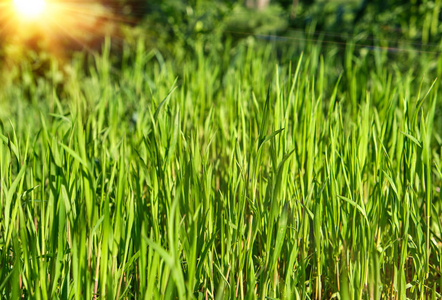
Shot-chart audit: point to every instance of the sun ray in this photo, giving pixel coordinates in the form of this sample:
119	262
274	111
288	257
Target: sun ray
7	25
91	10
74	38
29	9
64	27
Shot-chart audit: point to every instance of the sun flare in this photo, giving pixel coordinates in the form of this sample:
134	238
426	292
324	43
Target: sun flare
30	9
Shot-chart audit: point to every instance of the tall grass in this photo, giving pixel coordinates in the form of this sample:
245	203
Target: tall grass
241	175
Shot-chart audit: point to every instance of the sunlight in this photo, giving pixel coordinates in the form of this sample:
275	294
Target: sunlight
30	9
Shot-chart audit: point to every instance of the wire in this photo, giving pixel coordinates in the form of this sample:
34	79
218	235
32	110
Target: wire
339	44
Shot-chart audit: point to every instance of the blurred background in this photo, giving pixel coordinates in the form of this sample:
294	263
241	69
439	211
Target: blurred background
174	28
83	25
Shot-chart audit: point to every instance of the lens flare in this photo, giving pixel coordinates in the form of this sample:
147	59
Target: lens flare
62	27
30	9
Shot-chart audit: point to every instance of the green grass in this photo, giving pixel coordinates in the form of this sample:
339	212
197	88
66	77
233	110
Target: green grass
225	176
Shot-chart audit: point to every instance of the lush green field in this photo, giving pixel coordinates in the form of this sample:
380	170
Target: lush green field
244	174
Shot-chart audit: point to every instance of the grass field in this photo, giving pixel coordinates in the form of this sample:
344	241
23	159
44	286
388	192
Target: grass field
239	175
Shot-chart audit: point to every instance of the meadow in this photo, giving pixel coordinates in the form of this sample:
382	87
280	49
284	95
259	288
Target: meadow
257	172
